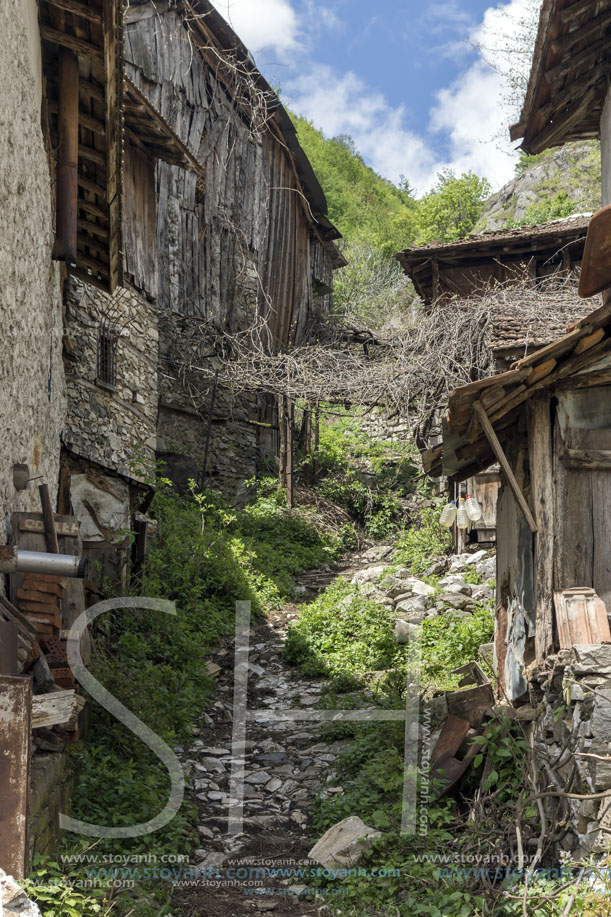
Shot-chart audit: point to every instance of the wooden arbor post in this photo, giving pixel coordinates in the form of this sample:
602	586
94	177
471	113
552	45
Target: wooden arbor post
67	159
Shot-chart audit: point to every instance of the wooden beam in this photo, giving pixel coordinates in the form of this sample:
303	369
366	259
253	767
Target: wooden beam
70	41
502	459
56	709
64	248
78	9
92	155
87	121
90	278
92	208
551	350
587	459
93	229
542	488
113	37
84	260
92	186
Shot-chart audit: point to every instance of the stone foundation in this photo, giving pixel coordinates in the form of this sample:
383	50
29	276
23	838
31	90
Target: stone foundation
51	785
572	741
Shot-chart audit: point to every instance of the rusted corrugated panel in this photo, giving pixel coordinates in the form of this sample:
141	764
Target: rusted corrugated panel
581	617
15	732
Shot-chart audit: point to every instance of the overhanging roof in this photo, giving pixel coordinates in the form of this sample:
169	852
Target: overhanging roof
569	78
203	15
546	238
465	449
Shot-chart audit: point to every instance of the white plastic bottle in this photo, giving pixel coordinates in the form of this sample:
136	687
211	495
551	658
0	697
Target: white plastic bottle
474	510
448	515
462	517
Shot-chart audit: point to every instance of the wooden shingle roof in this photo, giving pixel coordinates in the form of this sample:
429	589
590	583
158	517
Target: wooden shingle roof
569	78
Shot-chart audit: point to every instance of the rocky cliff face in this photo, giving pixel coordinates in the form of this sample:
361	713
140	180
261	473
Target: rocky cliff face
554	184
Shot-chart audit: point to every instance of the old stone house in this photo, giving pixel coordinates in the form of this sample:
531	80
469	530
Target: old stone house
155	199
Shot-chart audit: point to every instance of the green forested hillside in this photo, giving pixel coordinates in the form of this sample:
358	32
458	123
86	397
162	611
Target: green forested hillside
368	208
362	205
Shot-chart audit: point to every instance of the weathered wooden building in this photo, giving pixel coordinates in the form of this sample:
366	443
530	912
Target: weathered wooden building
547	421
244	238
467	268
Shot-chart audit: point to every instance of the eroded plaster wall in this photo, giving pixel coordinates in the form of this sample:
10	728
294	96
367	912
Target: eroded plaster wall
32	391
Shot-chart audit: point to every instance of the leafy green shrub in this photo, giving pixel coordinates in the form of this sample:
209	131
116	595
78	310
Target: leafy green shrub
56	890
343	635
366	477
554	207
452	640
425	540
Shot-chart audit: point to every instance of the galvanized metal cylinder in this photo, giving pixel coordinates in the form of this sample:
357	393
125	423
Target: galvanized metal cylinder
15	560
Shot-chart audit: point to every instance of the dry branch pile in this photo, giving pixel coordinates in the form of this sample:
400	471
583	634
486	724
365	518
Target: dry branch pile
410	370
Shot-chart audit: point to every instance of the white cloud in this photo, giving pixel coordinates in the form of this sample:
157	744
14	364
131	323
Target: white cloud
469	118
476	110
345	105
469	114
263	24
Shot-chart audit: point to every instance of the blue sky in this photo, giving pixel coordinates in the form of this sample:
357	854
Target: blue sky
411	82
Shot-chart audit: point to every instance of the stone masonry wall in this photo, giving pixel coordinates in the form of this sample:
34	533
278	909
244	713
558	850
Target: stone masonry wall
51	784
32	400
572	698
113	427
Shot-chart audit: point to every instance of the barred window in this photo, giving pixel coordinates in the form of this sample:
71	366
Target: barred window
107	357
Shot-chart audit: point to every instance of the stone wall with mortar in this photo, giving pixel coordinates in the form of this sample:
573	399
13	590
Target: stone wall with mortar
114	427
32	404
52	782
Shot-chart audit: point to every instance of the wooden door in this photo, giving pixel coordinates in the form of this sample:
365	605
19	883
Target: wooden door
582	476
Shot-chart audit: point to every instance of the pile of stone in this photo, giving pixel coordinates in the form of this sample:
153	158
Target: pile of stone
412	599
13	899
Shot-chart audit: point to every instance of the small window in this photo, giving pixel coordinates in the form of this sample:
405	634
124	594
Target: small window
107	358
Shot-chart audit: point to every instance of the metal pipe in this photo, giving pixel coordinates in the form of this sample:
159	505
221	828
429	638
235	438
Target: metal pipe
66	216
15	560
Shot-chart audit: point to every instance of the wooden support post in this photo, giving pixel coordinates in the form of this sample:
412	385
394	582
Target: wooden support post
49	520
316	443
502	459
307	444
15	742
290	409
204	475
542	487
67	159
282	443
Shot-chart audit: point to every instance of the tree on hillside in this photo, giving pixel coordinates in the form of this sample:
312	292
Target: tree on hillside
451	209
372	290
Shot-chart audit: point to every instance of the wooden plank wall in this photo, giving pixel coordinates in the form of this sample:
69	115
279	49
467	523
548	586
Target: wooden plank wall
583	510
140	220
248	229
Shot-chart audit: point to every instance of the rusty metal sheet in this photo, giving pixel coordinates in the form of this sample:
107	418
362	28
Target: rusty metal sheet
596	266
581	617
15	751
